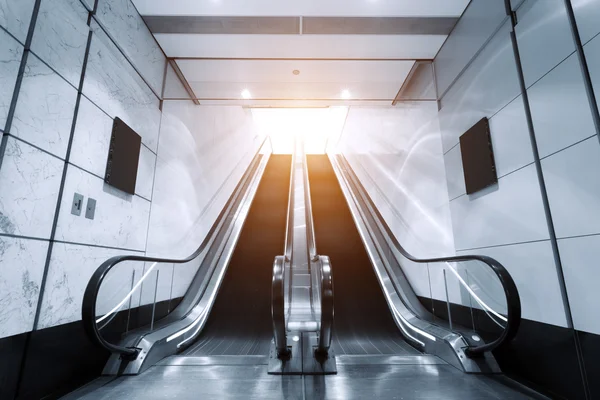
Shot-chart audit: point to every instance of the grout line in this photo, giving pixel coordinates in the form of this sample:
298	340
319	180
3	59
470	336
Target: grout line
530	242
53	69
100	246
11	35
503	245
13	105
585	71
568	147
13	236
473	58
592	38
62	186
62	159
551	69
19	139
452	148
546	201
124	54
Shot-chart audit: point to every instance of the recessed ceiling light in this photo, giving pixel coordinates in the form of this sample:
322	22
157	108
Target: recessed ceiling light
246	94
345	94
296	72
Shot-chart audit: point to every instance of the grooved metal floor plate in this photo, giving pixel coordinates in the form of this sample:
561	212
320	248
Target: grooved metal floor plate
355	381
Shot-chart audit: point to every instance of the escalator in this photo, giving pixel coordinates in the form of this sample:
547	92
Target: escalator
236	332
240	322
363	323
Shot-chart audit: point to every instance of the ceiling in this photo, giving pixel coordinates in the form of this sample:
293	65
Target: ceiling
299	53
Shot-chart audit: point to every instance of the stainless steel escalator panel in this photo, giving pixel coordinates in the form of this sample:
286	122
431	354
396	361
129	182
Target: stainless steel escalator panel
408	313
174	334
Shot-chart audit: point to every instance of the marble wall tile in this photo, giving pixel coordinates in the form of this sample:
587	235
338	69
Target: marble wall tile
11	53
203	153
145	175
60	37
30	181
15	17
112	84
45	108
121	220
71	267
124	24
21	268
91	140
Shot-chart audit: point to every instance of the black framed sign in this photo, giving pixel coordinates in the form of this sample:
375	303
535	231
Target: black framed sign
123	157
477	155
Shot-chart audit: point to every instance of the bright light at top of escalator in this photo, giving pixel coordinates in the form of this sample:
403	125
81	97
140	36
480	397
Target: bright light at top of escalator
319	127
246	94
346	94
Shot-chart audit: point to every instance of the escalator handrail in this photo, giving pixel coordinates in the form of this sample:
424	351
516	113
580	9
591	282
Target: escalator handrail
327	306
513	302
90	297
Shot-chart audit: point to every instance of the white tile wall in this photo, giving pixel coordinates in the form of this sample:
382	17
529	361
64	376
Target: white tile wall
15	17
45	108
145	175
573	186
71	267
510	212
60	37
454	173
91	139
489	84
587	15
510	138
124	24
560	109
544	37
114	86
201	149
476	26
528	263
30	181
580	264
21	268
121	220
11	53
398	156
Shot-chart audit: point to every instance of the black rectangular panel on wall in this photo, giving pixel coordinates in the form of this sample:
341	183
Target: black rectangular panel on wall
123	157
478	157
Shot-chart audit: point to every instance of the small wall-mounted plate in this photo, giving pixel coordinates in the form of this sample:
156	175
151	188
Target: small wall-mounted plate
90	210
77	204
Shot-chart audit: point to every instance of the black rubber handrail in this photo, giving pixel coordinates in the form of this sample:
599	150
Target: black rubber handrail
513	301
90	297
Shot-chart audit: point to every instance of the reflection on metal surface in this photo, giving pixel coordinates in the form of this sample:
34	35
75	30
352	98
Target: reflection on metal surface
302	285
472	293
122	303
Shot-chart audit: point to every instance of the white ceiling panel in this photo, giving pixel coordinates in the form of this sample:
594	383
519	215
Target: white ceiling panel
345	8
301	46
294	90
274	79
282	71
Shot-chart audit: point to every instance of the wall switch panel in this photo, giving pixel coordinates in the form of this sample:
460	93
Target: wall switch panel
77	204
